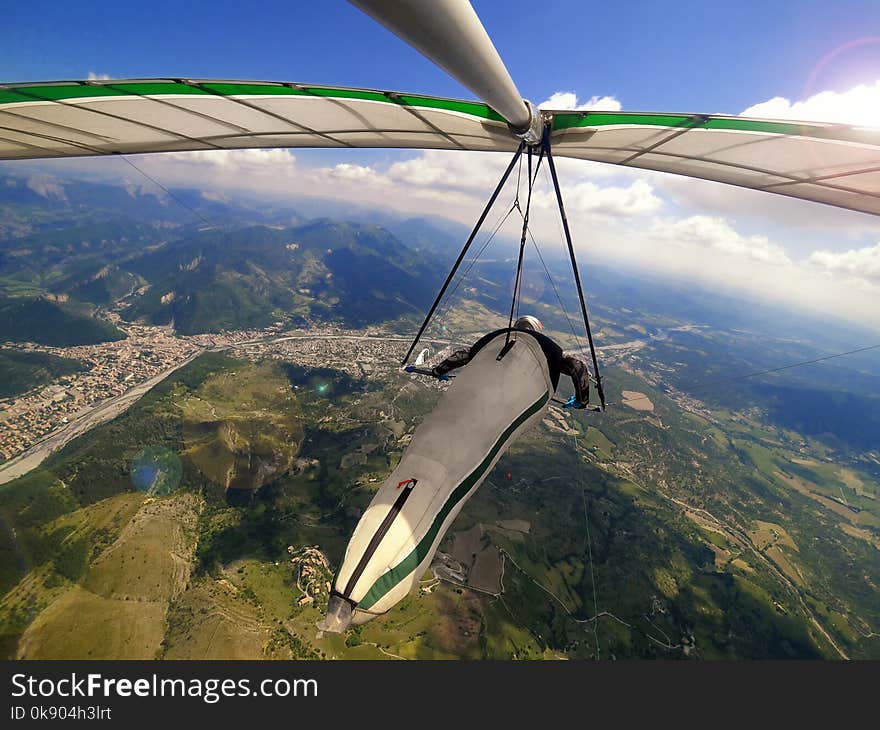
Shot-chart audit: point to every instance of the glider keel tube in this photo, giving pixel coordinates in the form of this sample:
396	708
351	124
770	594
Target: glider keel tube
450	34
487	407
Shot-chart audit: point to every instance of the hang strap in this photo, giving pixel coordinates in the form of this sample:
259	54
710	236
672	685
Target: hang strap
464	250
545	145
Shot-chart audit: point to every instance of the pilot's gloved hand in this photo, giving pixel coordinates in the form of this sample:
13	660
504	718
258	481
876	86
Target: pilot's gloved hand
439	376
573	402
410	369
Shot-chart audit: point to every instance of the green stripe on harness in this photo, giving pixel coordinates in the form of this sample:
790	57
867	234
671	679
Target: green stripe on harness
390	579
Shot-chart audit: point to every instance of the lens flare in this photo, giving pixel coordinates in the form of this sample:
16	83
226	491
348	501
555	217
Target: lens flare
862	109
321	387
156	471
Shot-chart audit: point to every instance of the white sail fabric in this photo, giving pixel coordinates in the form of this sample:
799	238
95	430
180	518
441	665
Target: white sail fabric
834	164
124	117
826	163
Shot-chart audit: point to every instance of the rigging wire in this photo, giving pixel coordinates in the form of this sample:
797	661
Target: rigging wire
518	182
545	146
532	179
556	291
464	251
501	221
537	248
561	233
589	548
732	378
517	284
171	195
449	298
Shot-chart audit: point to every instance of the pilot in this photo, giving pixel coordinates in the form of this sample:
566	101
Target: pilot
504	391
558	362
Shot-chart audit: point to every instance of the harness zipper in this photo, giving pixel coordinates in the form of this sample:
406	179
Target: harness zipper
377	538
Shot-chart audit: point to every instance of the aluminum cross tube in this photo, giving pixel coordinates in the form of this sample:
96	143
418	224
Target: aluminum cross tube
450	34
464	251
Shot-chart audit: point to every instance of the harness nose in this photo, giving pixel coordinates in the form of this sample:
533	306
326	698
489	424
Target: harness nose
338	617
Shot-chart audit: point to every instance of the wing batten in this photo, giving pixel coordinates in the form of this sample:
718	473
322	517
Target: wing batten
178	115
827	163
834	164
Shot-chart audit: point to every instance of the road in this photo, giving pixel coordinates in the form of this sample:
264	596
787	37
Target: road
100	413
112	407
739	536
284	338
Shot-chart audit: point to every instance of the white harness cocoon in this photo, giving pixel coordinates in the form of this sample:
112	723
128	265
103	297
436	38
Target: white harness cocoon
485	409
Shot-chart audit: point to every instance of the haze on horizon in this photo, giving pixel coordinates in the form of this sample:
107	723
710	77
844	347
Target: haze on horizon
799	254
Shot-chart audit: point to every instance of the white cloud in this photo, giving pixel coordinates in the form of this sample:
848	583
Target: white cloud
716	233
98	77
46	186
859	106
429	168
569	100
861	263
476	172
359	173
248	160
614	201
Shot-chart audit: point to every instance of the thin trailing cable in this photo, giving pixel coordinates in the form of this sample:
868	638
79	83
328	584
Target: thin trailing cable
444	310
589	547
167	191
556	292
517	284
746	376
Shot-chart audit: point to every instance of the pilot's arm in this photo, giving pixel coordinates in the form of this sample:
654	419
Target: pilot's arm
579	373
458	359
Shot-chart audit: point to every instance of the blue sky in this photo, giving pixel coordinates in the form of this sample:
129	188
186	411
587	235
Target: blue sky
802	59
681	56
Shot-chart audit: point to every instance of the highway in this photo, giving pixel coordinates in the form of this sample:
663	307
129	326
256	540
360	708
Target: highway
100	413
112	407
108	409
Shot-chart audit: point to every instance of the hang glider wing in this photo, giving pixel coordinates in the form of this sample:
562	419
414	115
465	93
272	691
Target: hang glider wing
127	117
827	163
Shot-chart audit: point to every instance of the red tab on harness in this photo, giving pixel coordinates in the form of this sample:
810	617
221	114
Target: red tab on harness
407	481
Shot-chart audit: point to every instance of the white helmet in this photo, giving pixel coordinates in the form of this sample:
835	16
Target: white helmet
528	322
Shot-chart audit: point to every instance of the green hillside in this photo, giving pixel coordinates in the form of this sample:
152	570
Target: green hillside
21	371
39	320
262	460
326	270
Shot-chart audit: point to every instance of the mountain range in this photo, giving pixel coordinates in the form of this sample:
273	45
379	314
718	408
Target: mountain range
109	247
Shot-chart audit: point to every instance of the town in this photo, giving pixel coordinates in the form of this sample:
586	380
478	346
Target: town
110	370
149	353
